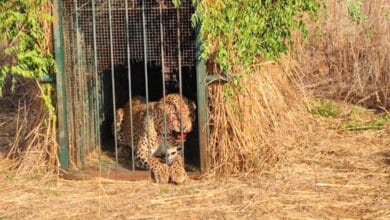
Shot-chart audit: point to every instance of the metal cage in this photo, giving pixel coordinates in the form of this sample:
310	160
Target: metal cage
108	51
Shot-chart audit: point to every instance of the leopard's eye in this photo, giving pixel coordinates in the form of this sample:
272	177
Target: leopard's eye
173	153
179	148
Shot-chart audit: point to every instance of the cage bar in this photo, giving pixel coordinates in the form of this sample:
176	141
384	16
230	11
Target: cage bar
113	81
81	87
163	76
146	70
96	78
129	84
180	74
60	86
201	93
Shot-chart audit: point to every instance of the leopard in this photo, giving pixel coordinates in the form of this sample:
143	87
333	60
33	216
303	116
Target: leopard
173	113
159	170
137	105
172	149
177	173
120	114
168	168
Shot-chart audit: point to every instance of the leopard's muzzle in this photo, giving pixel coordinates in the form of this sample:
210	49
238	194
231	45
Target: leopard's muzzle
179	136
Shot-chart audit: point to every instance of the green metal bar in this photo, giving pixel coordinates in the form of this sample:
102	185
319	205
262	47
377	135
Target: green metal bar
87	122
72	81
163	80
70	86
146	72
96	87
60	86
84	109
130	88
202	103
180	75
81	83
89	116
113	80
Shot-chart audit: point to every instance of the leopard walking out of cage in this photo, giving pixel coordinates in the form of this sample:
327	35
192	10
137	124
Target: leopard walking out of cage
177	111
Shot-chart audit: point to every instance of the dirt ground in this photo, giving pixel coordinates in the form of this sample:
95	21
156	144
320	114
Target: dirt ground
333	174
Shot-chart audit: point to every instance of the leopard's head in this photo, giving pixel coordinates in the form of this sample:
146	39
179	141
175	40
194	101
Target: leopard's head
179	115
172	153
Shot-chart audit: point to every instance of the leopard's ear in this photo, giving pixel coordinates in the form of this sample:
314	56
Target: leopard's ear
191	105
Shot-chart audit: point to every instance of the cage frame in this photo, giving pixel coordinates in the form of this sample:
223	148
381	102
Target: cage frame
63	133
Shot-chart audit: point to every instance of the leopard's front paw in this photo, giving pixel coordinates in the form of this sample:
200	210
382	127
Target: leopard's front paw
177	173
159	171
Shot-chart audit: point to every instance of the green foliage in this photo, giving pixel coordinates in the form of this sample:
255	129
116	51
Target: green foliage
325	108
364	119
374	124
193	190
353	118
176	3
55	193
238	32
357	113
22	28
355	11
387	15
164	190
9	175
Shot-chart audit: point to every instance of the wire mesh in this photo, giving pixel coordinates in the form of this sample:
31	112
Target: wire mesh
135	31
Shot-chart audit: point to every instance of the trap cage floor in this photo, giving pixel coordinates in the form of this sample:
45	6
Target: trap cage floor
109	51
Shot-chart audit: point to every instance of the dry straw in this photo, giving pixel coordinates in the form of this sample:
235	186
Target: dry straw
30	148
349	53
248	128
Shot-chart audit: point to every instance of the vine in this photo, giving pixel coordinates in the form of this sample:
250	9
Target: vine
239	32
25	28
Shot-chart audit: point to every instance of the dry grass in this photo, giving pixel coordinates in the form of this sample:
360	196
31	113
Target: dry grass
349	53
246	127
321	173
326	174
7	128
28	130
